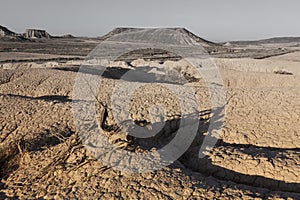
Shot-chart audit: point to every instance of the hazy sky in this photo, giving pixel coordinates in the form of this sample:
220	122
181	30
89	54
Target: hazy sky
217	20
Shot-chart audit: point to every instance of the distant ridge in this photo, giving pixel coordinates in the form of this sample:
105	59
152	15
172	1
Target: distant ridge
281	40
273	40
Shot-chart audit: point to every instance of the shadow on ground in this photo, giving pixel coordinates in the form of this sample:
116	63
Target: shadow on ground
191	160
50	98
145	74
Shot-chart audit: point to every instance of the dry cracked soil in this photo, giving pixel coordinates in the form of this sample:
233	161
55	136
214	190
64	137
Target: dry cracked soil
257	155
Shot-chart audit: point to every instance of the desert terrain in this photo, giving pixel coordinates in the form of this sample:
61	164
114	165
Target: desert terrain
257	155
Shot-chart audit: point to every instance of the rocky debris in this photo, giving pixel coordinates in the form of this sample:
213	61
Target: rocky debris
35	33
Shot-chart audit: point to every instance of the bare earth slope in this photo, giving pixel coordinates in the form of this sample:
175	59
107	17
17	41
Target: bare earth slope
257	157
41	155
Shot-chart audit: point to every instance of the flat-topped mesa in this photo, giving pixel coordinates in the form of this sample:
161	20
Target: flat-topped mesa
176	32
35	33
176	36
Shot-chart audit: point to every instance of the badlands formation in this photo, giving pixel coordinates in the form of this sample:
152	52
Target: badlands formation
257	155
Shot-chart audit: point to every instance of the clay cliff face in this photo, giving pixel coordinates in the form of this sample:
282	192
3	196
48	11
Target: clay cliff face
4	32
34	33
